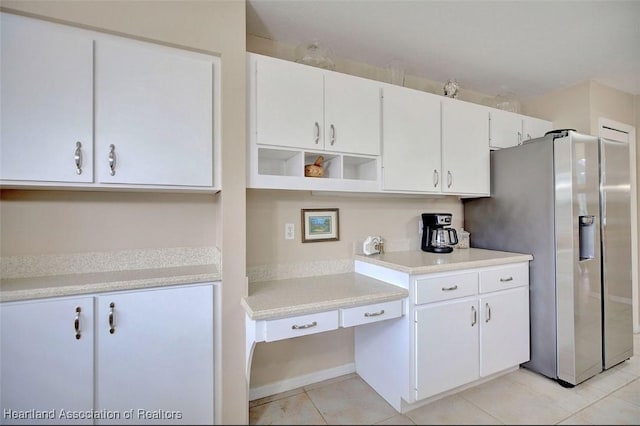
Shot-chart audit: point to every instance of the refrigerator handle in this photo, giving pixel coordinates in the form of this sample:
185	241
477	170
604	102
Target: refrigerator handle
586	236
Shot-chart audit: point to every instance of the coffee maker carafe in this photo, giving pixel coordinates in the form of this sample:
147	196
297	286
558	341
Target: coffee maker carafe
437	234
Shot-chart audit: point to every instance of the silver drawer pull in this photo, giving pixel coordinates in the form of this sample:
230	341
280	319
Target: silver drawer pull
78	157
112	160
505	280
374	314
76	322
474	316
455	287
112	322
302	327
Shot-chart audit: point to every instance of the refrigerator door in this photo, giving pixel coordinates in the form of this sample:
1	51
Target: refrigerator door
616	249
578	289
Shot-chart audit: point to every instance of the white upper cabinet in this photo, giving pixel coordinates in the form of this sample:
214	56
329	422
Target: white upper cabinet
46	92
289	104
352	114
465	148
534	127
410	140
505	129
153	115
511	129
85	109
309	108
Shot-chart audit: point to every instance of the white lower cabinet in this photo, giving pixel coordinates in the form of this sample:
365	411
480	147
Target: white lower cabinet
446	346
462	327
46	360
150	360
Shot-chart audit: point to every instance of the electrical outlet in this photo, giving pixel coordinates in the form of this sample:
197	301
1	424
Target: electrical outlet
289	231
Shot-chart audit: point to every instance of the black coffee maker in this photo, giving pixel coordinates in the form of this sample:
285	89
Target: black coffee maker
437	235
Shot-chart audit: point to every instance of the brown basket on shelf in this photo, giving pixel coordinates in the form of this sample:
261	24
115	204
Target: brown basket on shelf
315	169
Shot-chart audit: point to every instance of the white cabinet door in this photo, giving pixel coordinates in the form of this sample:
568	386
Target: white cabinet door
465	148
289	107
46	94
46	349
352	114
505	129
154	115
156	355
446	344
504	331
410	140
535	128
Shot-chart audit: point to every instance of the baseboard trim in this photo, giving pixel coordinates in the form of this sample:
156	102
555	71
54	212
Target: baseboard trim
299	381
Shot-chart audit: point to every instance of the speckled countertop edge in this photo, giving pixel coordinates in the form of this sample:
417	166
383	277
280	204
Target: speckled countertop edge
306	295
416	262
163	267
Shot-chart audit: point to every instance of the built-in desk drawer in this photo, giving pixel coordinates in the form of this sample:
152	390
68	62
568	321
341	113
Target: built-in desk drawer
350	317
301	325
504	277
443	287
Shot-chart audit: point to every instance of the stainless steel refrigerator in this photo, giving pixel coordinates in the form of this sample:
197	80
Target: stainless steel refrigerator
565	199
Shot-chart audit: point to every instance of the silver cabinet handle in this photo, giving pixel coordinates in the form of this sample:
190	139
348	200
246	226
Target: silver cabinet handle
449	179
76	322
506	280
436	178
374	314
333	134
317	133
78	157
519	138
474	316
302	327
112	160
112	326
453	287
488	315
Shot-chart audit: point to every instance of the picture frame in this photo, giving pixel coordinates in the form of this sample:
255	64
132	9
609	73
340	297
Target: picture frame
320	225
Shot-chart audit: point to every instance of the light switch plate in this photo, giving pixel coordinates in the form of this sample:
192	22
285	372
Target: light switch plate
289	231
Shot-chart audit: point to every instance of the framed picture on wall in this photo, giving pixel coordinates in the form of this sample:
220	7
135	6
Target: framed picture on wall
320	225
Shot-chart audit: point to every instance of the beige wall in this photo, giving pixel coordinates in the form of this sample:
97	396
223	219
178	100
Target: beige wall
34	222
48	222
567	109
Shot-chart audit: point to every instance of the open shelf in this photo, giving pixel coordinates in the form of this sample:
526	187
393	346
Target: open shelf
281	167
279	162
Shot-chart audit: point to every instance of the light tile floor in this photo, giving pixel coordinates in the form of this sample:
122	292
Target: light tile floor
521	397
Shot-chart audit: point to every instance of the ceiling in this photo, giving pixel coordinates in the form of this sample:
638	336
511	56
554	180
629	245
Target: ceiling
528	48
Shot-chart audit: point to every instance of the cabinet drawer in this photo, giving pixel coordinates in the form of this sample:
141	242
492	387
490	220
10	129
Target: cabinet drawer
302	325
370	313
434	289
504	277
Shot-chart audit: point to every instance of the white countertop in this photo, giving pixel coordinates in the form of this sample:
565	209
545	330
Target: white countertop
415	262
73	284
34	277
300	296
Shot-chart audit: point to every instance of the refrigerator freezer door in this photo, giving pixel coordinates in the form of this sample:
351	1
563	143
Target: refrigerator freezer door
616	253
578	290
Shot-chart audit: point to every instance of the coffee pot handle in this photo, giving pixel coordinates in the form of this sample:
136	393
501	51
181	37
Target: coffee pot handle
453	236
